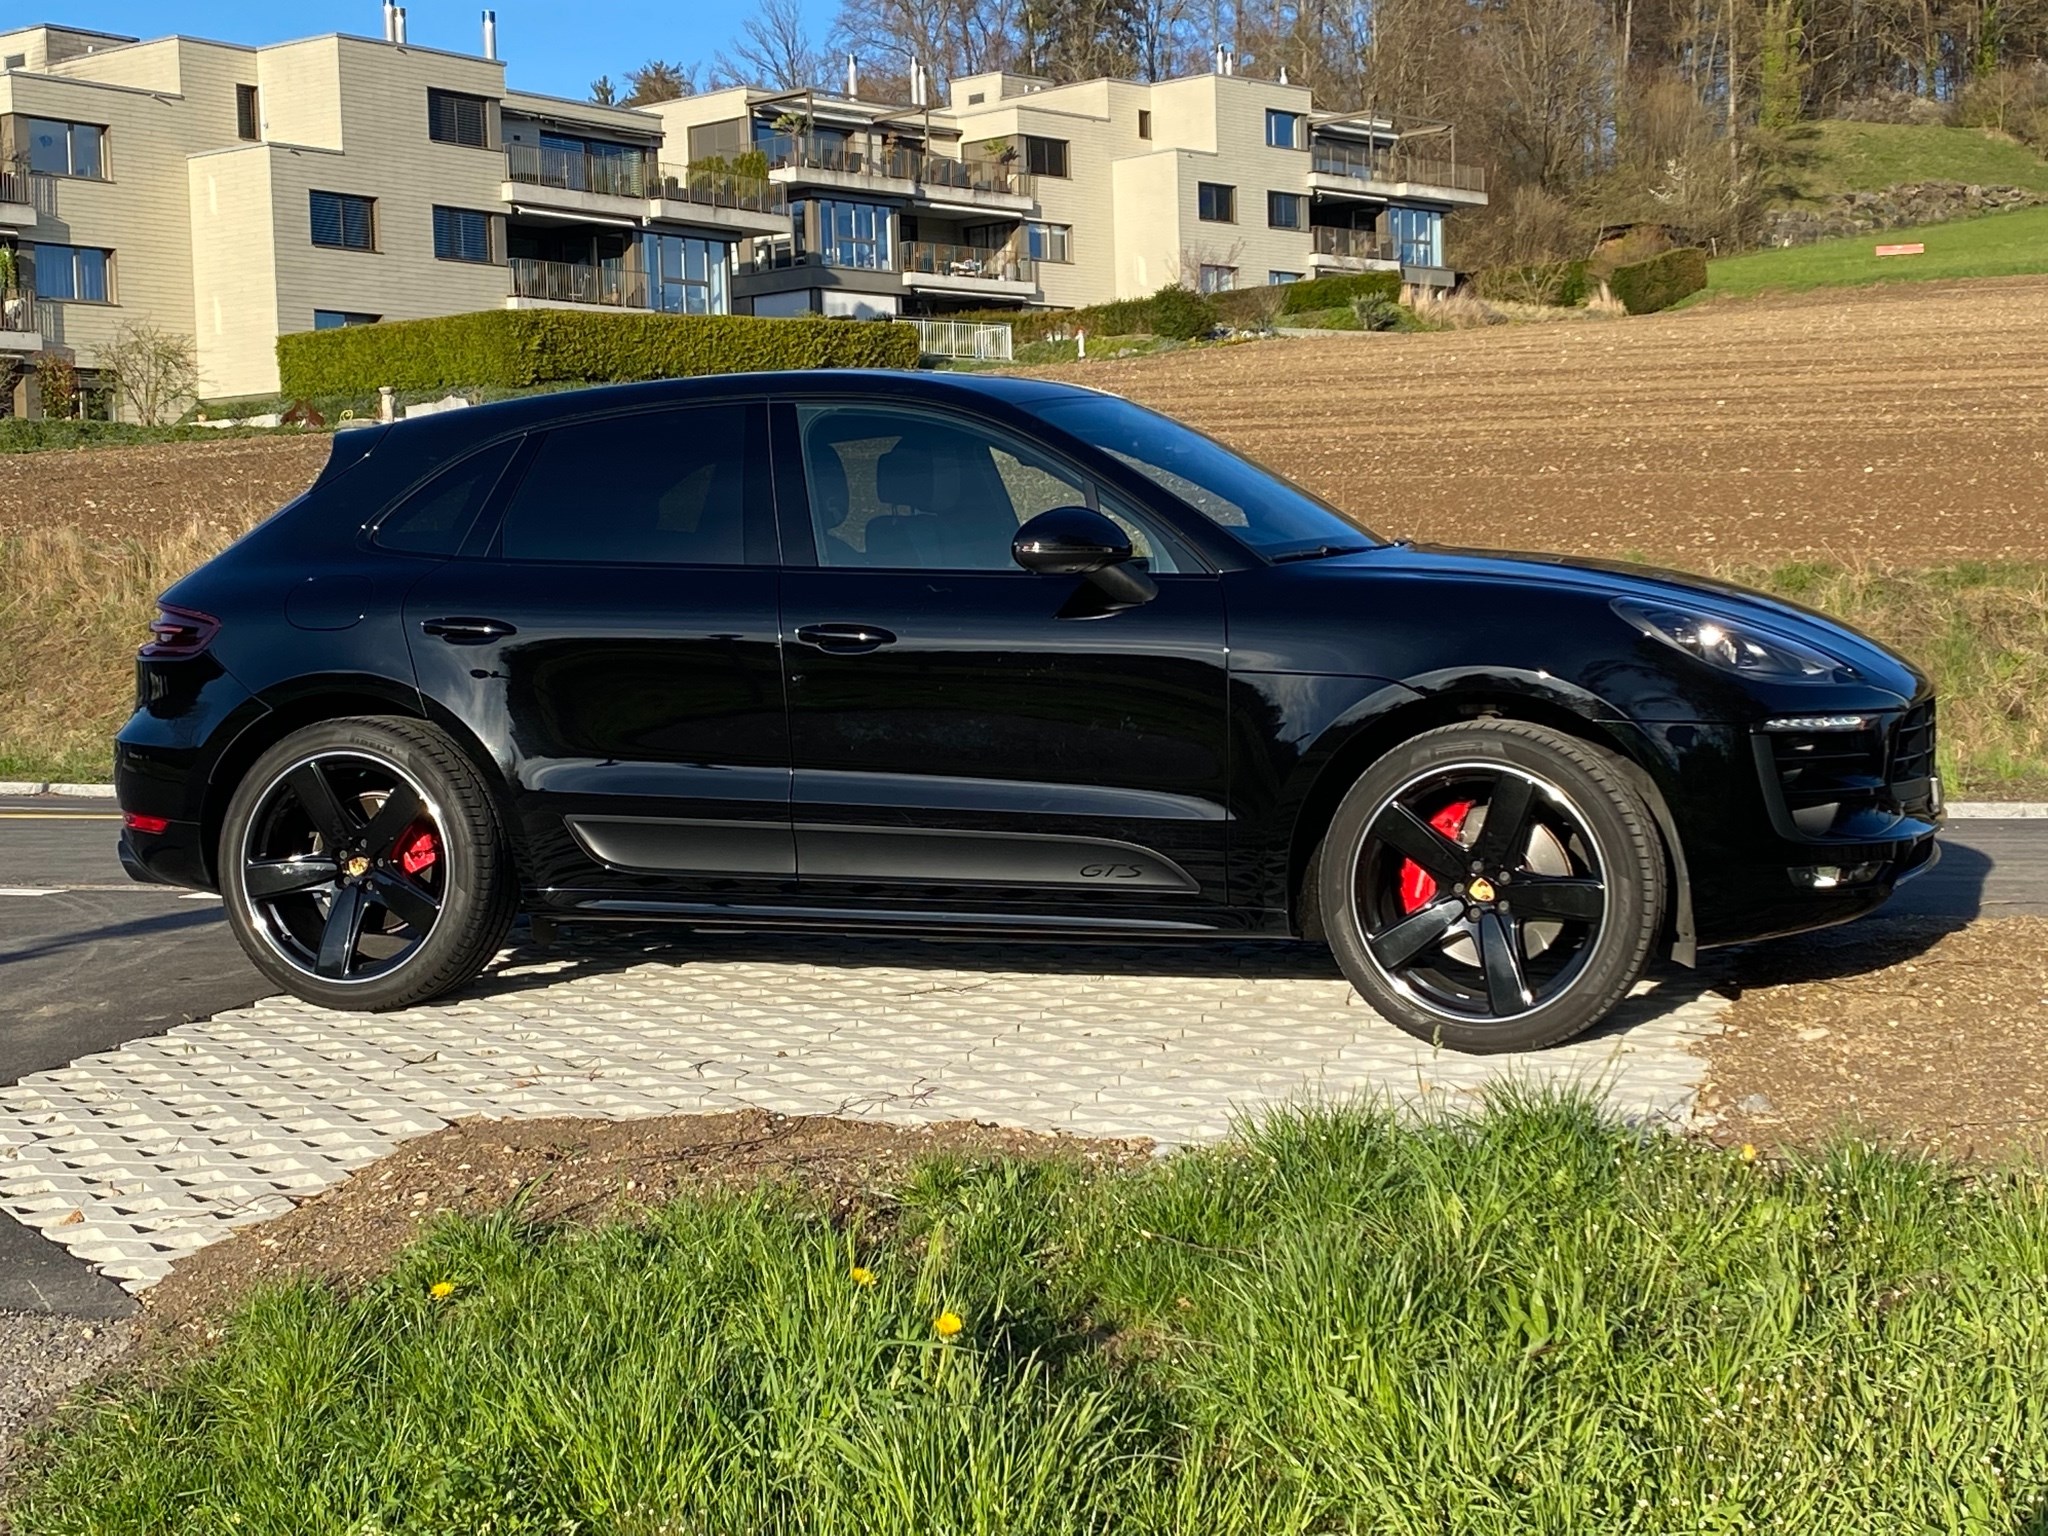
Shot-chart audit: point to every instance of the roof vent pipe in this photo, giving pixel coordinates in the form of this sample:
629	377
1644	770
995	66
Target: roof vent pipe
490	34
399	12
1283	74
1219	59
852	77
390	21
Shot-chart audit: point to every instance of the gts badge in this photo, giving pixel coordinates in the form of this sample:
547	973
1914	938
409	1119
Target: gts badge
1111	872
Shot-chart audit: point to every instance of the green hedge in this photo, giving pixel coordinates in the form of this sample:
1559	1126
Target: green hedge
1334	292
1644	287
1124	317
513	349
1564	283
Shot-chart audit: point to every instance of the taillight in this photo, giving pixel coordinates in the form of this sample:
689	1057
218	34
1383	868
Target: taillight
135	821
179	632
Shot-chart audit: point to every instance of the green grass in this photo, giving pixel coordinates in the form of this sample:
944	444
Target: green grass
18	435
1995	245
1822	159
1535	1322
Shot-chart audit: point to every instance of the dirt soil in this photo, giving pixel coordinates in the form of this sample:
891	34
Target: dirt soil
1904	424
1913	1033
580	1171
112	493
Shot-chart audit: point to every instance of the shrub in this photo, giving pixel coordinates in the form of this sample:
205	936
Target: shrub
155	370
1181	314
1562	283
1338	292
1377	312
1122	317
1644	287
513	349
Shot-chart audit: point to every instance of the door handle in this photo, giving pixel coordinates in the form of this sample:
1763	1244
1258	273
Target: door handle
467	631
845	639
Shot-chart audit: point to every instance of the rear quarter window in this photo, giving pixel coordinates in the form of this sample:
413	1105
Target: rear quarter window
436	518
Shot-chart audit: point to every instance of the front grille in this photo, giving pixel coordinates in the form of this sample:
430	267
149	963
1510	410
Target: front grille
1852	783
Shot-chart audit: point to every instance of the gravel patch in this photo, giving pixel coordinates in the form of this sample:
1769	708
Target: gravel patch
43	1358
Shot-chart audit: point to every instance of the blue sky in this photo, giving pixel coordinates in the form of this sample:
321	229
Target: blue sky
546	46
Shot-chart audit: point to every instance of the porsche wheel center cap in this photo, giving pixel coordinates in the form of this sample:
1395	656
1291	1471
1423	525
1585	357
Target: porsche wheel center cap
1482	889
357	867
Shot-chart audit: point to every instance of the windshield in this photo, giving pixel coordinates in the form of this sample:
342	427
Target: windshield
1278	519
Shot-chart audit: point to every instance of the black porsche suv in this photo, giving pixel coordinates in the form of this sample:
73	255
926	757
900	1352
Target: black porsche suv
958	654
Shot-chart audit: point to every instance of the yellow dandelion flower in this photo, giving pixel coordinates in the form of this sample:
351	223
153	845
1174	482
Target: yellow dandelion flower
861	1275
947	1324
1748	1153
441	1290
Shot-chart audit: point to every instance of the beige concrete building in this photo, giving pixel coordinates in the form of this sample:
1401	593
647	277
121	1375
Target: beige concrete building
235	193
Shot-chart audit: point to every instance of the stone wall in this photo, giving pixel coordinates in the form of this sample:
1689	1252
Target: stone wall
1899	207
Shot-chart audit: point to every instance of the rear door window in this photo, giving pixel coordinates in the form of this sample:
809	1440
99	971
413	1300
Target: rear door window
672	487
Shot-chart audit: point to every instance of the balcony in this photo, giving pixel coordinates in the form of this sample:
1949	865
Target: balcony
561	181
931	266
570	170
17	206
743	205
20	331
979	185
540	284
1358	171
1352	250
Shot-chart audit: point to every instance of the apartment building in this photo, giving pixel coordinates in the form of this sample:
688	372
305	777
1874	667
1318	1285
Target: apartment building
236	193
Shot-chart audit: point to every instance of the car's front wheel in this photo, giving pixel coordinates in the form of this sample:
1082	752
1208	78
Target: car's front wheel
363	865
1493	886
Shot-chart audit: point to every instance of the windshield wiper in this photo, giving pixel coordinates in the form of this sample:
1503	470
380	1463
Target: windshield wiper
1319	552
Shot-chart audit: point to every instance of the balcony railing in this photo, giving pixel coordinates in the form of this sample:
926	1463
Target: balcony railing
18	311
723	189
1361	164
937	259
623	175
14	184
897	162
1365	244
567	282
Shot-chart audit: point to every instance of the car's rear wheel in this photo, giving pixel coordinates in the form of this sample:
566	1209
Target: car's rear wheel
1494	886
363	865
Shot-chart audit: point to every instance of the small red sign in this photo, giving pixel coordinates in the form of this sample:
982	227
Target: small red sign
1902	250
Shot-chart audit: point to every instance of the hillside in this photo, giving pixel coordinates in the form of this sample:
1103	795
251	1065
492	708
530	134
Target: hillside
1996	245
1823	160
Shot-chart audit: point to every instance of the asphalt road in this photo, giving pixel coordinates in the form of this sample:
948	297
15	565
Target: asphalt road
89	958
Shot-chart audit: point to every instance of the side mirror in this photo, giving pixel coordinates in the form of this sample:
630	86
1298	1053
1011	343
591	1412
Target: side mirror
1070	541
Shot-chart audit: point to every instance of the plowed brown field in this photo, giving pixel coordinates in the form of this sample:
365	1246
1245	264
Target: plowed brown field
1907	424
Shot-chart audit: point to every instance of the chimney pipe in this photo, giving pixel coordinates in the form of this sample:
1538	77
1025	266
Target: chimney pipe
390	21
1219	58
852	77
490	34
399	11
1283	74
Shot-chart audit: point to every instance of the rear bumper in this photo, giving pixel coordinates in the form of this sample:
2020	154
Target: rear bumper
187	712
175	856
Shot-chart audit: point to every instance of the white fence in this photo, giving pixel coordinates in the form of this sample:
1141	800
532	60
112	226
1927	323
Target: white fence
963	339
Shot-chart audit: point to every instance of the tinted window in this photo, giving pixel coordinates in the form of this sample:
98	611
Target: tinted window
1045	157
660	488
462	234
1258	507
453	118
1216	202
343	221
436	518
903	490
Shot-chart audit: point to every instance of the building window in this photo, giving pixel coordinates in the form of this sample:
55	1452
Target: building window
75	272
14	61
1287	210
853	235
1045	157
1281	279
1144	124
1218	279
344	222
453	118
1283	130
1418	236
335	319
685	276
1049	242
66	149
248	121
976	98
462	234
1216	202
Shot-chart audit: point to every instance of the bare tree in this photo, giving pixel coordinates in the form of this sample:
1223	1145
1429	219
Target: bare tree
950	38
775	49
155	370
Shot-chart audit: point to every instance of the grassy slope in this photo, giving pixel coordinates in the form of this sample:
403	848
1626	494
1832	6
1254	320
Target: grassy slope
1996	245
1827	158
1534	1323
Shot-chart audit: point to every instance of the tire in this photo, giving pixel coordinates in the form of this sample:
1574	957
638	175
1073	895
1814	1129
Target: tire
1504	943
363	865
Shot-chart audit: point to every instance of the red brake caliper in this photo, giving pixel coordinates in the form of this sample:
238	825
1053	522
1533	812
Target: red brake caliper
1418	886
417	848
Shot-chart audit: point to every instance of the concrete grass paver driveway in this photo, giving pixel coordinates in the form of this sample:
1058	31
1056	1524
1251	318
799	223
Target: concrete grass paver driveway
136	1156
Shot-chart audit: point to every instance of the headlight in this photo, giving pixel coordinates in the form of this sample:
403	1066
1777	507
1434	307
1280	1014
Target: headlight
1735	645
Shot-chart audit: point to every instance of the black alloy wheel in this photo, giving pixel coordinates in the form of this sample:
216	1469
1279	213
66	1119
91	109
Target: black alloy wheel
1494	886
363	866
